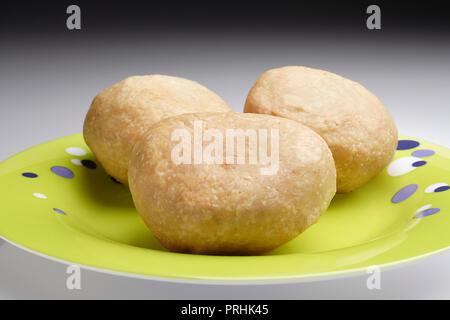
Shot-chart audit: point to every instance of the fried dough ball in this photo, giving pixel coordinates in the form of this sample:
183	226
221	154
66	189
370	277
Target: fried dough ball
197	194
122	113
356	126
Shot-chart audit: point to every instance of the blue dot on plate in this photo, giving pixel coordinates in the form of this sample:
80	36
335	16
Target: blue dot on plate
404	193
59	211
440	189
30	175
422	153
407	144
418	163
89	164
62	172
427	212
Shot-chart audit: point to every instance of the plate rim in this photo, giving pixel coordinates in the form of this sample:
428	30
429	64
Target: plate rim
323	276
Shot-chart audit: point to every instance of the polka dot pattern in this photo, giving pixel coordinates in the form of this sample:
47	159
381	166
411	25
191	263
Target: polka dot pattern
404	165
66	173
398	167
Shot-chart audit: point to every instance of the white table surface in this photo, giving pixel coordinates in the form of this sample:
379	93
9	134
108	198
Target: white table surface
47	85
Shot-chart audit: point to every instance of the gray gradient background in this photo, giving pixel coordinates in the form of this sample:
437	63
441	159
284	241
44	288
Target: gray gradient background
48	79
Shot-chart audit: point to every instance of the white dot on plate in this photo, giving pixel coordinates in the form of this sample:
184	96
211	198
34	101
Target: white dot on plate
75	151
430	189
423	208
402	166
40	195
76	161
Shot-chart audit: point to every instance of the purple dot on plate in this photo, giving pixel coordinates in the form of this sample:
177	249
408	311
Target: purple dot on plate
440	189
62	172
423	153
404	193
418	163
30	175
89	164
59	211
427	212
407	144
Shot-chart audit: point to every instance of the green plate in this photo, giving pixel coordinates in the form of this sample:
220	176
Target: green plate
57	203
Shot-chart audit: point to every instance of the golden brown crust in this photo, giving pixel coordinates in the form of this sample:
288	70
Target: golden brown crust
122	113
231	208
356	126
